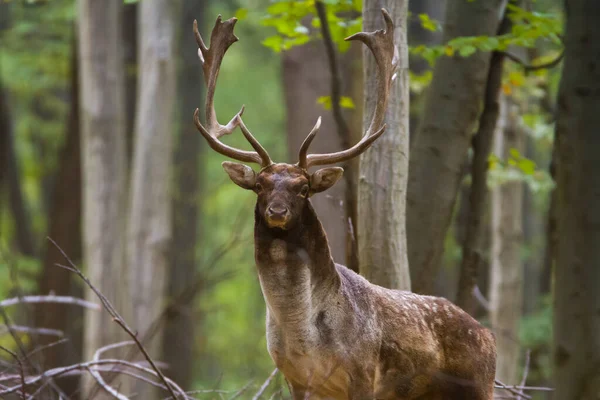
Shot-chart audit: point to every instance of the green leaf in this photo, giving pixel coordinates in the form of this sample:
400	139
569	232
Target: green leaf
241	13
274	42
467	50
325	101
346	102
428	23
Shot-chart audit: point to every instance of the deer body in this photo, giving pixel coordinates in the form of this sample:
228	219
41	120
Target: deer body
333	334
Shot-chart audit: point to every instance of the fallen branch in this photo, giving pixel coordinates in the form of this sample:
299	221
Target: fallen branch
62	371
5	329
116	318
265	385
515	391
525	370
49	299
96	375
21	370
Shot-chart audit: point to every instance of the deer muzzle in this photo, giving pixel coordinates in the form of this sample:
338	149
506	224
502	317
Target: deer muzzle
277	216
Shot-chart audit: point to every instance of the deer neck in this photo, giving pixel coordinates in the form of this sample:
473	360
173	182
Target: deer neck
295	267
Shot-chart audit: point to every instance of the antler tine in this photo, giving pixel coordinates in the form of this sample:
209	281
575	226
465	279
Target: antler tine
381	44
220	147
221	38
306	144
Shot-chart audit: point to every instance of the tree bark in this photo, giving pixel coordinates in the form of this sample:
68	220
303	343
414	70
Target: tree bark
473	244
421	36
440	146
102	115
130	47
577	298
506	284
178	344
306	77
64	227
149	229
384	168
11	175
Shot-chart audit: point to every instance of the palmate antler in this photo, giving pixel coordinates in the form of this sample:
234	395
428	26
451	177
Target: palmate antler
221	38
381	44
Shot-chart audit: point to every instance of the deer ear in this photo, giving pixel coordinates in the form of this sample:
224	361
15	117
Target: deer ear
325	178
242	175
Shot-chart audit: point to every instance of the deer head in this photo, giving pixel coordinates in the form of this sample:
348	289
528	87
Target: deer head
283	189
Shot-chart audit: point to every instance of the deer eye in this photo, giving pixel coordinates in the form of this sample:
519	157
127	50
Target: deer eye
304	191
258	187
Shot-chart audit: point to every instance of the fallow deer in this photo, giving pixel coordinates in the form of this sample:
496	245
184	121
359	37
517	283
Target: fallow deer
333	334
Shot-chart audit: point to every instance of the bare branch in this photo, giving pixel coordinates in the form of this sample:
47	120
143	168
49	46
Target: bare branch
265	385
242	390
4	329
99	378
116	318
21	369
528	67
512	389
525	370
49	299
61	371
49	345
113	392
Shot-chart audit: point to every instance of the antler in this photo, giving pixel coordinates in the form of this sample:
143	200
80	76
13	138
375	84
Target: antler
381	44
221	38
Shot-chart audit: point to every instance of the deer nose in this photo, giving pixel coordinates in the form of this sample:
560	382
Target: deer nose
277	211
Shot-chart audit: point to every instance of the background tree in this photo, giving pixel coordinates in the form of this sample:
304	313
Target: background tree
149	232
306	78
180	333
64	227
103	155
440	147
577	301
381	207
506	275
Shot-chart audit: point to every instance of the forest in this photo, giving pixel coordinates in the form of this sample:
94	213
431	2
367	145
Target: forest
131	264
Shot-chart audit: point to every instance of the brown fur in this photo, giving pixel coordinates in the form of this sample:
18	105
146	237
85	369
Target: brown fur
334	335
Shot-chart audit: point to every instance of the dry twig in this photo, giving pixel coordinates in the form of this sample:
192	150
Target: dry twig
265	385
116	318
49	299
21	370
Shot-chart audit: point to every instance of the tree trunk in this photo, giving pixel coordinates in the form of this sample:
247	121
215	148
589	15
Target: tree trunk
102	116
149	228
384	168
577	274
64	227
421	36
440	147
129	35
506	285
11	174
472	250
178	344
473	244
306	77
